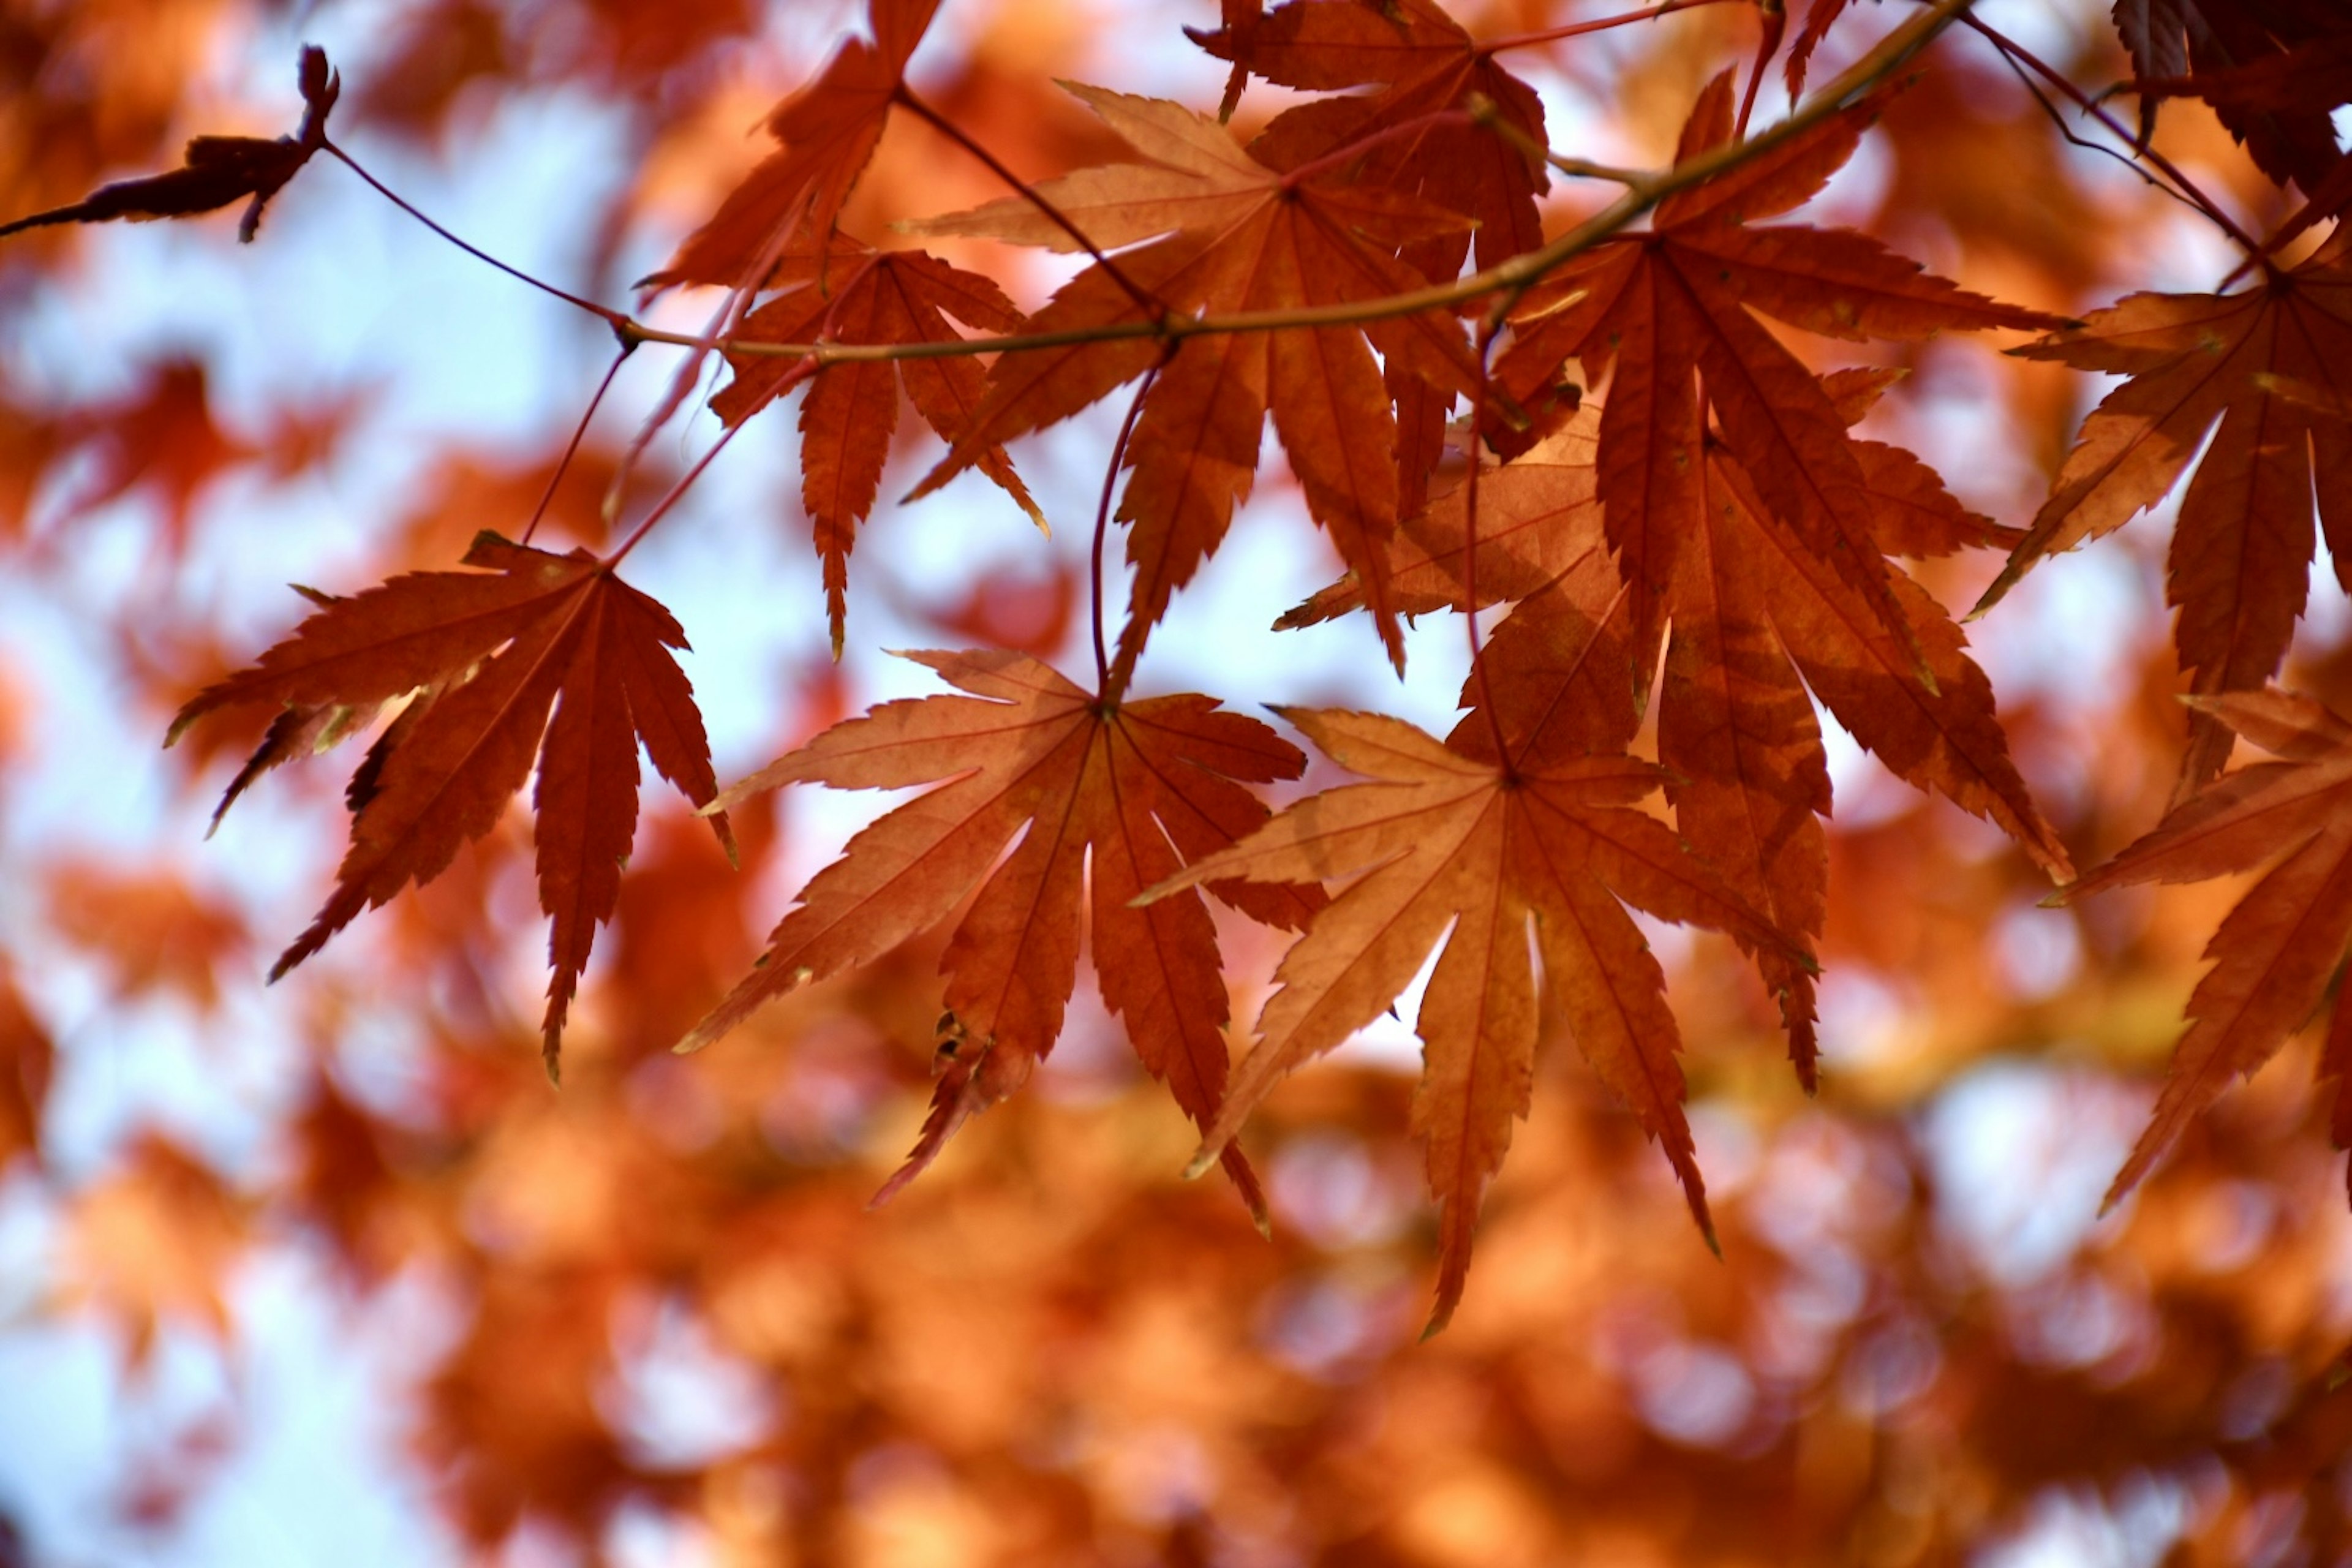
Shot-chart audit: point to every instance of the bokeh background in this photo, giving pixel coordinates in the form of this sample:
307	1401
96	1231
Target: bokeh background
327	1272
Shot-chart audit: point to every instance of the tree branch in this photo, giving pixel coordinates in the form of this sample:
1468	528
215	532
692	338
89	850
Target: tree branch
1516	275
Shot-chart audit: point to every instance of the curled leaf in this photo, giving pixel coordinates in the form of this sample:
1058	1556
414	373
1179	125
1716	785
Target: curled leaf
219	170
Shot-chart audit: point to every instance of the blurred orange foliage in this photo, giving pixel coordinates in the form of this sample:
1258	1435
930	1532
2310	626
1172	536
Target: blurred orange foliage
661	1294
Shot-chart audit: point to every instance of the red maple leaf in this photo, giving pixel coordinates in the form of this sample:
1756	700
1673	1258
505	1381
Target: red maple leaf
486	654
1819	18
1491	853
2245	52
1424	63
1237	234
1412	136
160	437
829	130
1674	312
2274	956
1107	800
857	296
2254	361
1756	621
29	1059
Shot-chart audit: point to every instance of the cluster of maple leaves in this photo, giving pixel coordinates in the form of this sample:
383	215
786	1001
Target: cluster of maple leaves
1601	427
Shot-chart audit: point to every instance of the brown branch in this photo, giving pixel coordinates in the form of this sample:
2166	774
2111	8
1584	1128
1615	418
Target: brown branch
1516	275
1513	277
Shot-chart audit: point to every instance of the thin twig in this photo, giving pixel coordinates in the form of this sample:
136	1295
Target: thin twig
677	492
1507	280
572	448
1484	112
617	320
1643	193
2186	190
734	307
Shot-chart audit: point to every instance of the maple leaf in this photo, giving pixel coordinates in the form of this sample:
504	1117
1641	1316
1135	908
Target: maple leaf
1819	18
2248	50
2311	78
847	418
829	130
29	1059
2240	560
153	931
1106	798
488	654
1450	836
1405	139
1757	620
2329	200
218	170
1676	307
1237	234
2275	953
1539	514
160	437
1424	63
31	439
2334	405
154	1241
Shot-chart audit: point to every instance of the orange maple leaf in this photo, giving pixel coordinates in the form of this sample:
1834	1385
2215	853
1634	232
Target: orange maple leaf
1819	18
1675	311
847	418
1424	63
1539	514
1428	131
2275	953
1237	234
2240	562
1450	836
1756	618
1116	796
154	1242
829	130
487	653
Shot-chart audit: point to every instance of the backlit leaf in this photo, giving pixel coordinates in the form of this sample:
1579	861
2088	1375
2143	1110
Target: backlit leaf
2274	956
1106	800
488	653
2246	367
1513	856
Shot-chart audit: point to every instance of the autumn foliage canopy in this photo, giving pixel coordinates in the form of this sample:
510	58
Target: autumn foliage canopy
1729	468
